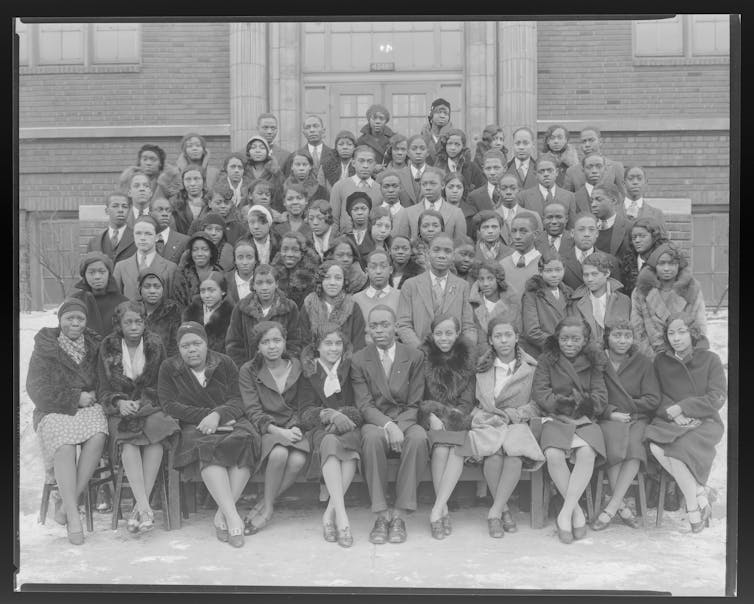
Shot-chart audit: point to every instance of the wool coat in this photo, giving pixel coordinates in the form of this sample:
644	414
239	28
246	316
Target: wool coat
186	282
183	217
225	258
297	282
412	269
573	276
541	312
331	169
698	385
618	307
164	322
248	313
542	242
533	200
651	307
124	249
406	222
272	173
217	325
531	173
100	307
473	176
619	237
614	171
174	246
182	397
508	304
379	142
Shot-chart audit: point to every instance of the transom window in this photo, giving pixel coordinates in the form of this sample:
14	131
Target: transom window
683	36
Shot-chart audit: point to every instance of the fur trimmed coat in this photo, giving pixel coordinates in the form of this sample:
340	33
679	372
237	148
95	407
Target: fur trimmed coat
346	314
164	321
617	307
297	282
411	269
99	308
186	282
651	307
216	327
508	304
378	142
183	217
248	313
541	312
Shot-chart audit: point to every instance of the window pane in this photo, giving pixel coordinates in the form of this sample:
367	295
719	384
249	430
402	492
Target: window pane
116	43
662	37
711	34
23	42
61	43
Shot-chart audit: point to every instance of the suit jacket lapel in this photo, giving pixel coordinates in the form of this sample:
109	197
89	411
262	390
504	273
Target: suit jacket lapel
451	290
379	371
425	287
619	232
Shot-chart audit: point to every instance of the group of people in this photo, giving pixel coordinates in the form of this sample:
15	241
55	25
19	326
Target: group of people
319	312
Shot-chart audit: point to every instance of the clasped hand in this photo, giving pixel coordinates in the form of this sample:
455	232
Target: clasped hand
128	407
87	398
209	424
394	437
619	416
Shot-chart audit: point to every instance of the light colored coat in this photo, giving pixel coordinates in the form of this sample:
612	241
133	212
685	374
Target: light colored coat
126	274
406	222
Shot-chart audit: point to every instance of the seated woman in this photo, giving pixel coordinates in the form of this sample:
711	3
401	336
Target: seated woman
191	201
329	303
448	400
163	315
633	395
194	153
199	388
687	427
212	309
490	296
647	235
62	384
194	268
403	263
345	252
296	263
239	279
332	425
129	362
98	291
569	387
266	302
500	433
271	388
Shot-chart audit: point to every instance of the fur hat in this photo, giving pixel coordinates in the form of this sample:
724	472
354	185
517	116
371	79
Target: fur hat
357	196
214	218
70	304
91	258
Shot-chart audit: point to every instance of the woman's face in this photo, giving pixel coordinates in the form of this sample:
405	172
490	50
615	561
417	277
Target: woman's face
300	167
262	196
193	182
332	284
620	340
140	189
641	239
331	348
445	335
679	336
96	276
359	214
463	257
454	146
487	283
257	152
132	326
193	350
317	222
417	151
400	251
503	339
258	227
290	252
429	228
571	340
72	324
419	255
200	253
272	344
381	229
152	290
214	233
264	287
210	293
344	148
440	116
553	272
399	153
235	170
294	202
498	141
194	149
220	205
454	191
667	268
343	255
246	260
149	162
377	122
557	140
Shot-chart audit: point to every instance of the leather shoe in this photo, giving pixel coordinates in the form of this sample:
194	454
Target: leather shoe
397	531
563	535
438	532
629	519
235	537
379	532
345	539
579	532
446	526
495	528
329	532
509	525
599	525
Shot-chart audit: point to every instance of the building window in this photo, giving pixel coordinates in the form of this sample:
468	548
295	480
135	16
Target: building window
682	37
82	44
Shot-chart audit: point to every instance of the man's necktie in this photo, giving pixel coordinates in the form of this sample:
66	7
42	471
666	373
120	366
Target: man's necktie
315	159
417	186
633	209
159	245
522	173
521	262
496	196
142	260
603	225
386	362
114	240
549	199
437	294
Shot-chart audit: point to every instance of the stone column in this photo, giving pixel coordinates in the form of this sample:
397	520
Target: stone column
517	81
480	78
248	80
285	82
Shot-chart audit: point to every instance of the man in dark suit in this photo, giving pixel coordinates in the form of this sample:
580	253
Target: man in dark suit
555	236
388	384
493	167
634	205
314	131
170	243
585	231
614	227
594	168
267	125
591	142
546	191
117	240
522	164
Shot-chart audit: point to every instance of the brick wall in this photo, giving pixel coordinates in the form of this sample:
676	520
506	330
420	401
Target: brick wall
184	78
586	70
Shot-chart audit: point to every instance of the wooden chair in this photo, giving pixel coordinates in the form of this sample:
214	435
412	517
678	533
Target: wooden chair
661	500
638	482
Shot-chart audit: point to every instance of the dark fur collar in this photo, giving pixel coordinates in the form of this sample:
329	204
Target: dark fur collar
111	353
309	361
218	320
537	285
176	364
591	355
412	269
461	357
251	306
685	285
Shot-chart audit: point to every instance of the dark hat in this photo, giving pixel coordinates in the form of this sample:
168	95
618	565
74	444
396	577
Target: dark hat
357	196
149	272
214	218
91	258
439	103
664	248
72	304
345	134
191	327
377	108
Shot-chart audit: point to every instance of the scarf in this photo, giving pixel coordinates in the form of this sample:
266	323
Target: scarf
332	383
76	349
133	368
316	308
490	253
236	192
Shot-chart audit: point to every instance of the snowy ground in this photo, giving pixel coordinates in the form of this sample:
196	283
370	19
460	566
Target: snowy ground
668	559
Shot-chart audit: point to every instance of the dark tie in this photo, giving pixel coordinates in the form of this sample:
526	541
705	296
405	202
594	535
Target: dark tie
521	262
521	173
387	364
114	240
417	186
495	196
437	295
549	199
159	245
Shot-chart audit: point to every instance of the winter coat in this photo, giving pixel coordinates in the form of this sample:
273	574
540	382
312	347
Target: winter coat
651	307
183	217
236	228
541	312
434	148
210	173
411	269
473	176
566	157
313	189
100	308
54	382
508	304
346	314
164	322
481	149
331	168
617	307
186	282
225	259
248	313
378	142
222	186
216	327
298	282
166	184
272	174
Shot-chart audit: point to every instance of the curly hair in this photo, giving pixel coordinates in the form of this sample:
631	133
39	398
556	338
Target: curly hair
322	273
343	240
183	184
259	331
320	332
629	264
158	151
494	267
122	308
688	320
552	345
548	256
213	254
323	206
600	261
618	325
549	132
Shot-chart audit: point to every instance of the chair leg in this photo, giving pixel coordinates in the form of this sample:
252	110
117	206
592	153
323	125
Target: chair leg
88	508
589	503
661	500
164	498
538	507
45	503
190	490
642	498
117	497
598	490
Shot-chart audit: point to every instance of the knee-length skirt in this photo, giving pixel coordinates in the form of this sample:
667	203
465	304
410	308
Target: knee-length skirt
57	429
269	441
155	428
324	444
624	440
560	435
693	446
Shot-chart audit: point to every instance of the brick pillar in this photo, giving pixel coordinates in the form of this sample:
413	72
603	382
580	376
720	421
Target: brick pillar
285	82
248	80
517	80
480	78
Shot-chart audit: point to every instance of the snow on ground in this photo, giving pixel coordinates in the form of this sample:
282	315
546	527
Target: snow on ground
668	558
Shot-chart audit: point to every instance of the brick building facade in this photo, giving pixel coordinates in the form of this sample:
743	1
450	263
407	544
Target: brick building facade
90	95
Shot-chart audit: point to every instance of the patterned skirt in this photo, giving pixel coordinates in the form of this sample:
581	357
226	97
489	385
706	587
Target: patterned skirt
57	429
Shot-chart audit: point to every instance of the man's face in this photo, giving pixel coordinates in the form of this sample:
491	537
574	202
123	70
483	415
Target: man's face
161	211
602	204
522	235
585	233
390	187
268	128
381	326
546	173
635	183
440	253
594	168
117	210
313	130
590	142
555	219
493	168
508	190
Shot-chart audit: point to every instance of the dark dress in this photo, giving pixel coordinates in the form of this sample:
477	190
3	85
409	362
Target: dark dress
323	442
100	307
555	377
182	397
541	312
346	314
164	321
150	424
698	385
265	405
217	325
297	282
633	389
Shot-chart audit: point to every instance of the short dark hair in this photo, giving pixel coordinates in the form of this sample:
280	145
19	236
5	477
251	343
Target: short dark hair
592	154
493	154
618	325
158	151
493	267
112	194
689	320
525	129
265	269
484	216
385	308
324	207
611	190
122	308
600	261
321	273
528	216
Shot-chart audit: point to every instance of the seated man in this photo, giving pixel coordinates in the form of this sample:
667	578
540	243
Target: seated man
614	228
554	236
388	385
435	292
591	142
584	237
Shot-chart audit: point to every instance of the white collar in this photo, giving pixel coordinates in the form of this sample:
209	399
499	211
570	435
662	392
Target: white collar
601	298
506	366
415	173
554	238
240	279
371	292
490	189
589	188
524	163
528	257
118	231
428	205
394	208
546	191
356	180
436	278
580	255
610	221
317	147
149	257
627	202
390	352
164	234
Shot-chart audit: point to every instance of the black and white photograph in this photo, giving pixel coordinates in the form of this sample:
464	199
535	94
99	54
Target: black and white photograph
397	302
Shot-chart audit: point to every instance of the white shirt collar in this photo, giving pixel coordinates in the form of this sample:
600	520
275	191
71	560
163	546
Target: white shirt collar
610	221
356	180
394	209
390	352
580	255
435	279
243	286
529	256
505	366
313	147
627	202
490	189
545	191
371	292
119	231
150	258
263	250
640	261
428	205
164	234
589	188
508	213
524	163
417	173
